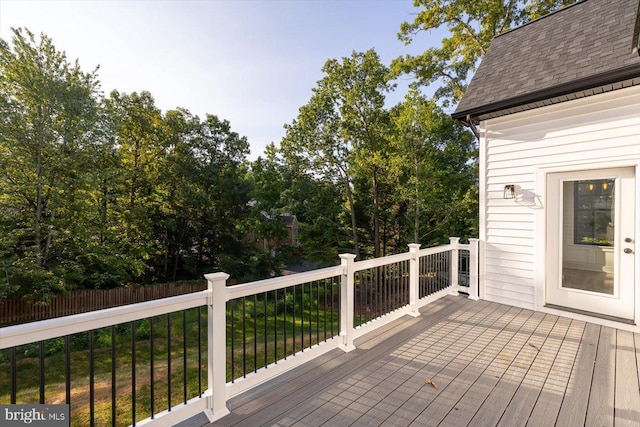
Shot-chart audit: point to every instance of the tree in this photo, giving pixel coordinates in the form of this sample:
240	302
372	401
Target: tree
141	139
49	113
436	167
472	25
341	125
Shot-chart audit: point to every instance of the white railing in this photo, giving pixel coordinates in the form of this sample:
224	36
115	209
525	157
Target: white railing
410	290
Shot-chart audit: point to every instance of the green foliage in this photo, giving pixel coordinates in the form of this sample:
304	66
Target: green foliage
340	131
471	26
98	193
436	170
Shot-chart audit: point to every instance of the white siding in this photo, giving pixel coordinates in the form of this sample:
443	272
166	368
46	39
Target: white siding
589	131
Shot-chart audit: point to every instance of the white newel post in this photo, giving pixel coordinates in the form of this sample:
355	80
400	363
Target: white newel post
346	302
217	354
414	279
455	284
473	268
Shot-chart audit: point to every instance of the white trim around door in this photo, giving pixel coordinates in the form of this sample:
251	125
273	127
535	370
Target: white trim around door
590	252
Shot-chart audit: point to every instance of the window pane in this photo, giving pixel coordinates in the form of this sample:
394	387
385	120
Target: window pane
594	212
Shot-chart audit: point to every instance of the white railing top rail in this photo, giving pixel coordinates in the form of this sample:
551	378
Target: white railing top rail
435	250
26	333
266	285
378	262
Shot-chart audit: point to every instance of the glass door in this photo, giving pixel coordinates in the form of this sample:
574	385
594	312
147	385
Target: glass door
590	241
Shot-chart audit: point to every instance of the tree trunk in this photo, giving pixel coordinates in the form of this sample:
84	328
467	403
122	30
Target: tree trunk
352	210
416	220
376	214
134	176
38	219
103	213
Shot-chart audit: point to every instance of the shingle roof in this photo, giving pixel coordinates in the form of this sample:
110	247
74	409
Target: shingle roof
583	46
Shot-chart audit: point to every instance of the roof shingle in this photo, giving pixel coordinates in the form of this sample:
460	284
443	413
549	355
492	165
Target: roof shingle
587	44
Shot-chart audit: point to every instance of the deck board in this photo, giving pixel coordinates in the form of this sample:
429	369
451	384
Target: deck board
523	401
601	399
492	365
576	397
547	407
627	400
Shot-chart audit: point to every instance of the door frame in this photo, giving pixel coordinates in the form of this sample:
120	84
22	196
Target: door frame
619	305
541	240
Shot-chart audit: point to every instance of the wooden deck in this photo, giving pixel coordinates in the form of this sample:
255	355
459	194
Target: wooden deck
460	363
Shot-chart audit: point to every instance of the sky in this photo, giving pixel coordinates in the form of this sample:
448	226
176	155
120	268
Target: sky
253	63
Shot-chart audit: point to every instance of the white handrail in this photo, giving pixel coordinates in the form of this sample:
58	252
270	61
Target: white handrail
26	333
379	262
261	286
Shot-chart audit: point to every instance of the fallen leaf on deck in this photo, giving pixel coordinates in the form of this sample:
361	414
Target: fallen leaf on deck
534	347
431	383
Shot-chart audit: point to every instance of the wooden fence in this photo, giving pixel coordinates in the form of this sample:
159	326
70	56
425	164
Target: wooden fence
19	310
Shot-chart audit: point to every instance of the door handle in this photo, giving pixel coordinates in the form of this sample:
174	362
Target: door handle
628	251
628	239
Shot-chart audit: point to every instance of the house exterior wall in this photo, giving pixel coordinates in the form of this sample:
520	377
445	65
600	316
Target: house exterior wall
596	132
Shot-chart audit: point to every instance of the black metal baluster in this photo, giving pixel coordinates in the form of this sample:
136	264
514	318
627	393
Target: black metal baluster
370	275
255	333
92	389
389	278
169	362
266	332
386	277
244	337
425	275
420	276
400	284
184	355
275	326
113	375
133	372
396	284
444	265
199	351
405	283
67	369
13	375
446	262
152	366
333	283
385	289
324	285
386	282
284	324
402	268
448	267
233	341
293	322
317	312
310	313
379	300
41	374
431	274
440	272
302	318
357	289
